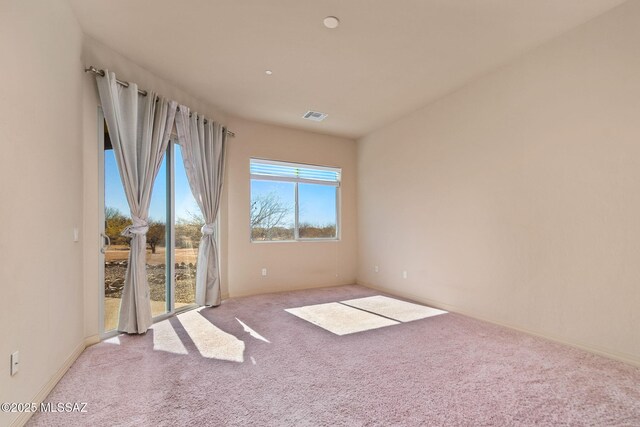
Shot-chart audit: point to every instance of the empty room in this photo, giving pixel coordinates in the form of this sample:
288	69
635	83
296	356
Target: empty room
320	213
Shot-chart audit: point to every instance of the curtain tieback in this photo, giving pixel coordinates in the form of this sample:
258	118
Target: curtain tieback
139	226
208	229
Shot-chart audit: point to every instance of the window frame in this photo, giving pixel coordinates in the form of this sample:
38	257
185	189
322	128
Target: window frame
337	184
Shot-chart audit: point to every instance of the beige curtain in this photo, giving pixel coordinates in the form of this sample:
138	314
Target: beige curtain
139	128
203	153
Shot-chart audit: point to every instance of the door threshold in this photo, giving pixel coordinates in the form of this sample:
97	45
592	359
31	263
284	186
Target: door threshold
160	318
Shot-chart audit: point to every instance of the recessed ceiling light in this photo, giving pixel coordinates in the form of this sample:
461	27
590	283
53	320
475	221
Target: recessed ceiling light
268	72
331	22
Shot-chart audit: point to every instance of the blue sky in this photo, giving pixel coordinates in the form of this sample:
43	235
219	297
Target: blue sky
317	202
115	197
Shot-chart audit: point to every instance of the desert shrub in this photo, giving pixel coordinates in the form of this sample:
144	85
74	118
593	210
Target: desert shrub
314	231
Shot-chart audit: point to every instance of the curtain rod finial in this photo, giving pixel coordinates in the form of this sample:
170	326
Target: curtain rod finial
94	70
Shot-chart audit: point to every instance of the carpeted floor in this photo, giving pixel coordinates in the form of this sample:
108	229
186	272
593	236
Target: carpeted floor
262	366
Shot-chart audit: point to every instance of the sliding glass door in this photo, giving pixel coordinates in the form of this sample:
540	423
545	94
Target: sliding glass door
172	239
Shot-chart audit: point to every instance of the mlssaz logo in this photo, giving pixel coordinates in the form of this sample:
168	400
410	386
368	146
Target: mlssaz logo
63	407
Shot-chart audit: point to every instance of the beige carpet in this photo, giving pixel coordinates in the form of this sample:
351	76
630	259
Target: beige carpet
447	370
402	311
112	311
339	318
210	341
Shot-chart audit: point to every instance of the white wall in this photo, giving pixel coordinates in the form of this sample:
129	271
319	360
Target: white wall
290	265
517	198
41	191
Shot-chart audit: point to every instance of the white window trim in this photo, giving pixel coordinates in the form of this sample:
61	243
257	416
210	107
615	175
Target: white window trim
290	179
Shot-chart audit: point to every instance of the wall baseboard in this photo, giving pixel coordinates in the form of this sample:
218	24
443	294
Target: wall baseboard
92	340
46	389
283	289
622	357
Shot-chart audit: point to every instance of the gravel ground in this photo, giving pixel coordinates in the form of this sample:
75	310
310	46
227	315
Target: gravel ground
185	281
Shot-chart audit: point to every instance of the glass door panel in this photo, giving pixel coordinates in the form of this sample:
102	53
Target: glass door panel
157	243
188	222
116	248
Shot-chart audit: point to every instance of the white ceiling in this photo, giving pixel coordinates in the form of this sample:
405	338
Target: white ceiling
386	59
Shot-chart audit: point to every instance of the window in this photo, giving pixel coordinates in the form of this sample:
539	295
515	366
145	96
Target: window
293	201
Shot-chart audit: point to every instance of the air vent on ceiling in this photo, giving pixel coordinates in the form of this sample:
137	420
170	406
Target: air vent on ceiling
315	116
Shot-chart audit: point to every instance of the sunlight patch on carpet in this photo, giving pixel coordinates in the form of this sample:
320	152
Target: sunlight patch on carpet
212	342
252	332
114	340
402	311
165	338
339	318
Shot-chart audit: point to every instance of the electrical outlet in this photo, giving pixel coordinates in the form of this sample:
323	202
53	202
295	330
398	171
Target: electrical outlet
76	234
404	274
376	269
15	359
264	272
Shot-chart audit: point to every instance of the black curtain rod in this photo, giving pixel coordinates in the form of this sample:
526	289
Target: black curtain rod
94	70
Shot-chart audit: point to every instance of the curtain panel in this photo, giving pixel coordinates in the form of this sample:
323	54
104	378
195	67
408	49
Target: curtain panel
139	127
203	153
